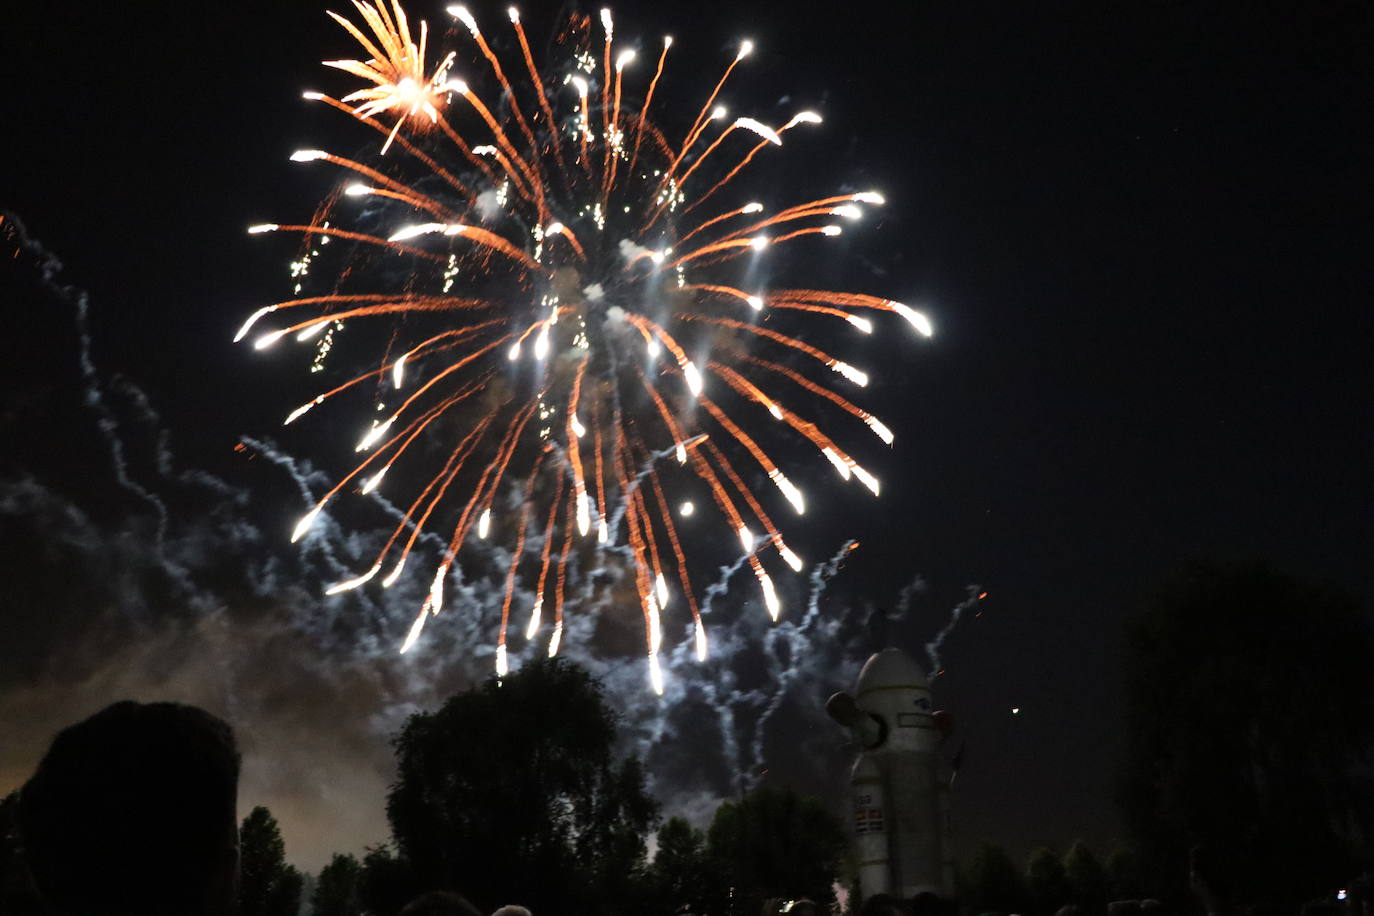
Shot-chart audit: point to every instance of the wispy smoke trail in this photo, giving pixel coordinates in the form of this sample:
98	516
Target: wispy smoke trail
972	595
50	269
223	611
796	639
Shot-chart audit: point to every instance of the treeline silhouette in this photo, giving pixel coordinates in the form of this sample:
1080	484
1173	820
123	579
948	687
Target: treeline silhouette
1247	786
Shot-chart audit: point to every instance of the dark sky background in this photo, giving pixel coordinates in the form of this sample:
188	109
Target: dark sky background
1141	230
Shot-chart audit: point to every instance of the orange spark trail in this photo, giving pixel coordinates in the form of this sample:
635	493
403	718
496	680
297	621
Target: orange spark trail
394	188
726	180
810	386
737	169
414	429
505	84
797	233
451	468
409	147
475	159
605	111
361	237
703	469
757	453
574	452
602	509
689	371
504	142
525	505
713	247
711	222
807	307
545	553
642	510
707	152
653	84
558	594
538	82
769	529
460	530
811	431
789	215
453	368
385	309
567	233
585	132
792	342
666	415
700	124
666	515
339	299
612	149
633	528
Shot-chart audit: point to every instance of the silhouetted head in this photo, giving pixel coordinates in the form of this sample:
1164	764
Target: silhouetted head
512	909
804	907
440	903
133	812
927	904
882	905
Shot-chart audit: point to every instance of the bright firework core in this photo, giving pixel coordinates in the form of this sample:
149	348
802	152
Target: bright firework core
562	290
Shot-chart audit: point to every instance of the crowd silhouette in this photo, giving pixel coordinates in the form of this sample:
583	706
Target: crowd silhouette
132	812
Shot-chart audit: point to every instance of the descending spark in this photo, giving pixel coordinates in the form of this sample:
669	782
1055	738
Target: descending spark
557	213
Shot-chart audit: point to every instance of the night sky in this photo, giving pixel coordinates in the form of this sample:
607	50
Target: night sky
1142	231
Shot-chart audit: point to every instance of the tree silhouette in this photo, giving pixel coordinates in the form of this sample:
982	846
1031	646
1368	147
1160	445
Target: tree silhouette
513	789
386	883
17	894
774	843
336	890
267	885
1087	880
1249	729
1125	881
679	875
1046	883
993	883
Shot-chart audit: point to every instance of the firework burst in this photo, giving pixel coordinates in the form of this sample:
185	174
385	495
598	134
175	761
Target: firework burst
567	307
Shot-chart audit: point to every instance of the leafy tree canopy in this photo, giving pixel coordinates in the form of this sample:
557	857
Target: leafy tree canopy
513	790
1046	882
1249	730
775	843
336	890
267	885
992	883
680	875
1087	880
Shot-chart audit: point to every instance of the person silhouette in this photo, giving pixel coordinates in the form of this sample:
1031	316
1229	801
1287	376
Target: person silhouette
133	811
440	903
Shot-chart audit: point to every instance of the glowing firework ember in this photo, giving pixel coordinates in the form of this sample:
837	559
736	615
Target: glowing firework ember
562	280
